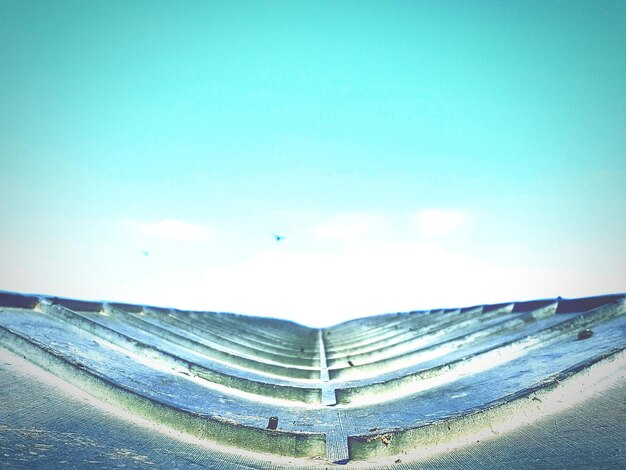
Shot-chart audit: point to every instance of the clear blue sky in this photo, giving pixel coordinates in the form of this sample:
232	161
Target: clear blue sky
413	154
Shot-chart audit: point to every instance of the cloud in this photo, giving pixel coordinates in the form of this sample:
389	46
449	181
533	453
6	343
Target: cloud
371	278
349	228
322	289
379	266
437	222
172	229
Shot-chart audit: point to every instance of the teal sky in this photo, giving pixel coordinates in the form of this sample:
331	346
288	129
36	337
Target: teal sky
413	154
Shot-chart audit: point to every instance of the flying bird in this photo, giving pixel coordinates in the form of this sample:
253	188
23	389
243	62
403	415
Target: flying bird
278	237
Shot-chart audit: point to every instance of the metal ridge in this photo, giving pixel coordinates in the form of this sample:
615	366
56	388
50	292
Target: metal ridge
370	387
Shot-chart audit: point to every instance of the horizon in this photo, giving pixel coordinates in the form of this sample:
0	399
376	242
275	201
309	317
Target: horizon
117	302
313	162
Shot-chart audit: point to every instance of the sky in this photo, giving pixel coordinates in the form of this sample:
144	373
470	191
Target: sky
413	155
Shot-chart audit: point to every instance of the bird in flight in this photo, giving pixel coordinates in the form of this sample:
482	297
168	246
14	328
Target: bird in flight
278	237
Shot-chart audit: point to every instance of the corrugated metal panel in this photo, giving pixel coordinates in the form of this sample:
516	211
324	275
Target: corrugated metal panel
366	388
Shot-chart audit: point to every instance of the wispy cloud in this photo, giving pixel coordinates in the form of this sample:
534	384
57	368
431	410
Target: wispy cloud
172	229
436	222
